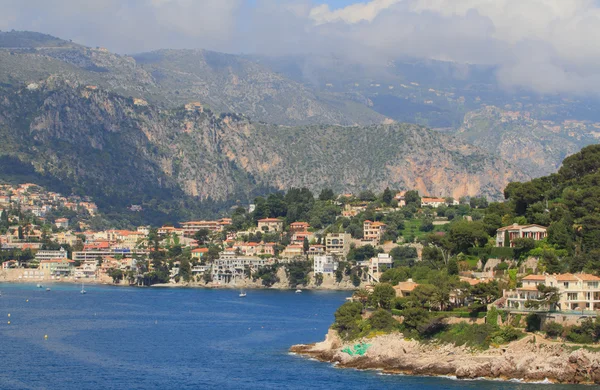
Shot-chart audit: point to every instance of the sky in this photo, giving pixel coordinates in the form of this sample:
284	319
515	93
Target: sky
547	46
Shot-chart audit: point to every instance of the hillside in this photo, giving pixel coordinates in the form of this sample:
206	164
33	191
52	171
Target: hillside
106	145
223	82
536	147
229	83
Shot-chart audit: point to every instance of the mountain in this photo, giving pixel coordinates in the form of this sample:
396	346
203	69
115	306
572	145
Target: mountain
536	147
170	78
130	151
230	83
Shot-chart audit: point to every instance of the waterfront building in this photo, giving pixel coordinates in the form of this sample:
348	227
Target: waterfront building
325	264
577	292
42	255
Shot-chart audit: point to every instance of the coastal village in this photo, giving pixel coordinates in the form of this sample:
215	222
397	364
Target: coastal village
218	253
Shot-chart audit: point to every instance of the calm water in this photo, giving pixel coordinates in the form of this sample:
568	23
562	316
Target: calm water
131	338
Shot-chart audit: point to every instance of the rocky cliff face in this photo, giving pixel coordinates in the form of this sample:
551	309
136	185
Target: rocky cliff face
536	147
105	142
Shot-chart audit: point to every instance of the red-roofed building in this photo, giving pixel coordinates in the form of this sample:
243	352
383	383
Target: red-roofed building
270	225
373	231
198	253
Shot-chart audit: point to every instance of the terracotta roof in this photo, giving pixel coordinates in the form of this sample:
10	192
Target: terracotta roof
406	286
566	278
270	220
588	277
535	277
432	200
200	250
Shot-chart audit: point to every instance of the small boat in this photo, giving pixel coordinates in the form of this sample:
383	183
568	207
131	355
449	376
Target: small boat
242	294
47	288
82	289
39	285
298	291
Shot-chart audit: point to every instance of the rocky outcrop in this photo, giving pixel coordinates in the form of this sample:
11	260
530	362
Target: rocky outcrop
525	359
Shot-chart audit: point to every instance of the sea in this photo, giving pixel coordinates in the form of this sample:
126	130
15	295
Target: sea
176	338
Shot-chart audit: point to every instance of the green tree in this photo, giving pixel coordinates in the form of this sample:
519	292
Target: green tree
326	194
394	276
387	196
201	236
318	279
116	275
347	320
382	320
452	267
185	270
404	255
412	198
464	235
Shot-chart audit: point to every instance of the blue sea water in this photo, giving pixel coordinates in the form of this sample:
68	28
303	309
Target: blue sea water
146	338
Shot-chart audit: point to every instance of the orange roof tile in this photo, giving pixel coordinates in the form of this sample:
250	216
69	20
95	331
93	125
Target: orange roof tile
534	277
566	278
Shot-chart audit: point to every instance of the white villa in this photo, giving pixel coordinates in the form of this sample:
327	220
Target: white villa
515	231
578	292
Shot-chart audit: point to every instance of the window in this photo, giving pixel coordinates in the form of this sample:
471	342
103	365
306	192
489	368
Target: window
566	284
593	284
572	296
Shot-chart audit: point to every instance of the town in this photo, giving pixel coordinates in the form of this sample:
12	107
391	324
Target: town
297	240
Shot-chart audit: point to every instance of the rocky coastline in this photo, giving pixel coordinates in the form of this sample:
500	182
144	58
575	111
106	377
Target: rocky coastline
531	359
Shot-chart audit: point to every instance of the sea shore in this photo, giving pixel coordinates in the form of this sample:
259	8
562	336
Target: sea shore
531	359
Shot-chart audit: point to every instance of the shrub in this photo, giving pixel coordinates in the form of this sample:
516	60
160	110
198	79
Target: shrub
401	303
414	317
533	322
553	329
506	334
471	335
492	316
586	333
516	321
382	320
432	327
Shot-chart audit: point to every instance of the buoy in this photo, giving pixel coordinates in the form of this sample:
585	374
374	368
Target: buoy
8	322
45	337
27	300
9	314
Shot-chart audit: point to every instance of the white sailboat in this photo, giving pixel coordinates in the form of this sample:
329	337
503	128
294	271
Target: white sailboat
82	289
298	291
242	294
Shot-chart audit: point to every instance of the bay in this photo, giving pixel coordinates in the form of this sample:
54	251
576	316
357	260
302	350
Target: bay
153	338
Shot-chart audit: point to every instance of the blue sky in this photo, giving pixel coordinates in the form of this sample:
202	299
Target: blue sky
335	4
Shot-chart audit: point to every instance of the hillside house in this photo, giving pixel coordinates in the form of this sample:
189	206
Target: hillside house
270	225
578	292
515	231
337	244
373	231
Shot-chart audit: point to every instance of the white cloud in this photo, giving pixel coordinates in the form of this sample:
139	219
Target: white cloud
351	14
545	45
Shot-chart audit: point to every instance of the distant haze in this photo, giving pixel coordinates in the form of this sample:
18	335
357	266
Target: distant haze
547	46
